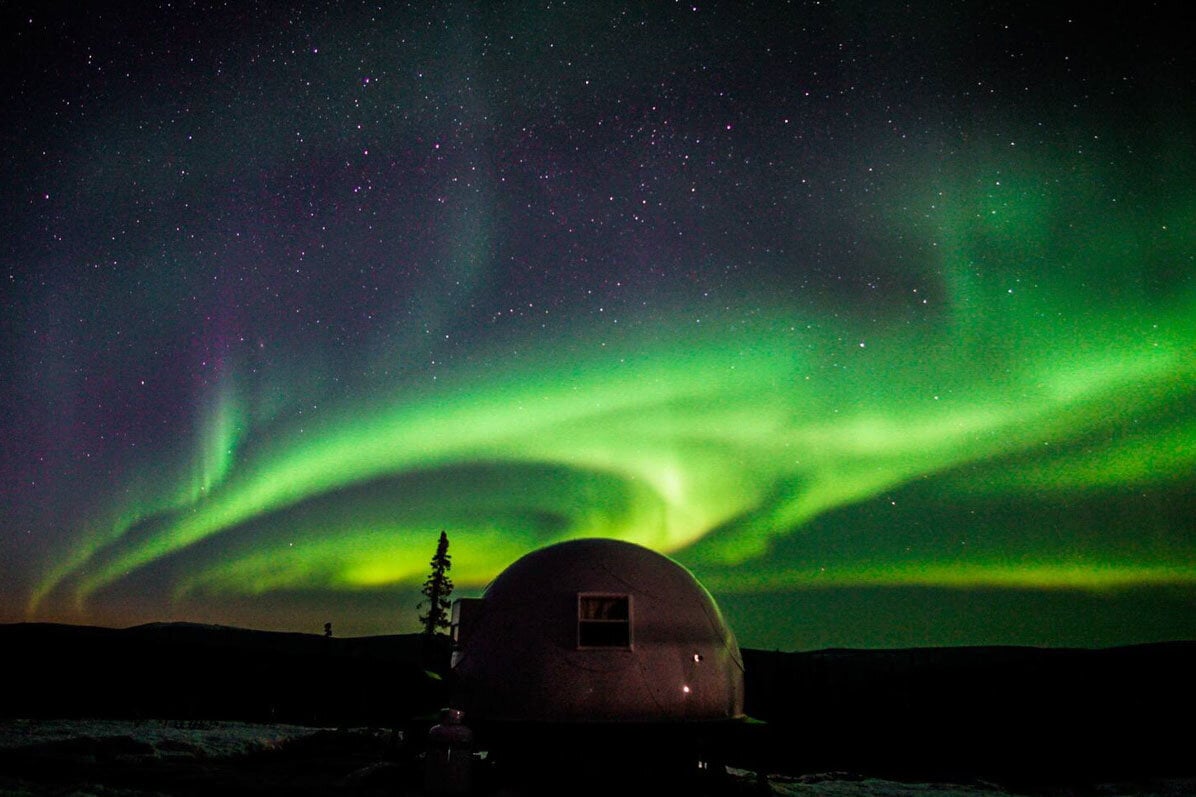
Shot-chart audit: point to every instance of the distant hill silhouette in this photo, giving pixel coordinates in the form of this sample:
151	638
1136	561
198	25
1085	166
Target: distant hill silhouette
1008	712
1001	712
193	671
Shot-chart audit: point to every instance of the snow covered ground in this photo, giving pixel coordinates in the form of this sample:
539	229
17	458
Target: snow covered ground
134	758
166	738
846	785
849	786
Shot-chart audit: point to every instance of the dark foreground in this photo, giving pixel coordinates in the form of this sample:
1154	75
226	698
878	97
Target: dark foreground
128	758
183	709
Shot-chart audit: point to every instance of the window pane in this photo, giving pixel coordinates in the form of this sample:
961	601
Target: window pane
603	621
602	607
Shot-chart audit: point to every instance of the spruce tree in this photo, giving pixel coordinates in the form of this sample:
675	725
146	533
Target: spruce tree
437	589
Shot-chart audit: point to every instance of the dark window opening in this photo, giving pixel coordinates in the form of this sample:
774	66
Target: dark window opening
465	611
603	621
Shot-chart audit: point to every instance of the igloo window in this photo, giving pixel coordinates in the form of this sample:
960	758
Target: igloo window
603	621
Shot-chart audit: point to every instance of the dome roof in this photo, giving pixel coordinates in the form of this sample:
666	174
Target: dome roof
599	630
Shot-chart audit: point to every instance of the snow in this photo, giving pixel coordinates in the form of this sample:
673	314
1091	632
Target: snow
183	746
841	784
168	738
850	786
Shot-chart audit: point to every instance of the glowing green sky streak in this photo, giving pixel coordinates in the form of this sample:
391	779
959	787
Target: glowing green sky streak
714	441
1096	576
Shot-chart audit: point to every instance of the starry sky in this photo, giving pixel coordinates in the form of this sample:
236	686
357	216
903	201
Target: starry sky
879	317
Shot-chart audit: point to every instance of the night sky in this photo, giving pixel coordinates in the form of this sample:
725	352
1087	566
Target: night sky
879	317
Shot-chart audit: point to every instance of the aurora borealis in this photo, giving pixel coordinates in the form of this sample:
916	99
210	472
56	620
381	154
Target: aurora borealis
881	318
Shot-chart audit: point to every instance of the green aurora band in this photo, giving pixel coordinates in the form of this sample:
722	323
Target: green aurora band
1060	362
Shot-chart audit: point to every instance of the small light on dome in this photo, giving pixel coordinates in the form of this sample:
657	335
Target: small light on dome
685	689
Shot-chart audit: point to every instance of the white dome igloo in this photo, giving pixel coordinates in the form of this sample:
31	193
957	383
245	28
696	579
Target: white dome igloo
596	630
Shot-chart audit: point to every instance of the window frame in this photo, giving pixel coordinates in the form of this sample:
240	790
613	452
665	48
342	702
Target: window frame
592	622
